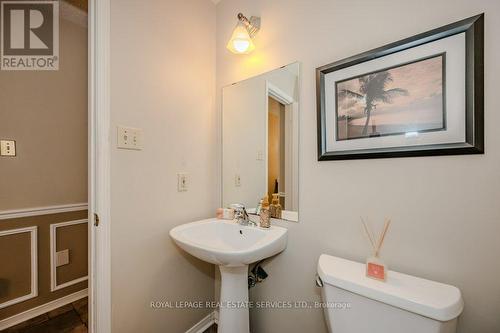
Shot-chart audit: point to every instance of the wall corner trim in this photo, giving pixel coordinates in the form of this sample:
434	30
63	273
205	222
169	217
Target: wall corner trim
203	324
37	211
44	308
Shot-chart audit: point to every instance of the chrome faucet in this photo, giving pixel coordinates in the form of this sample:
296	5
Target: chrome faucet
241	215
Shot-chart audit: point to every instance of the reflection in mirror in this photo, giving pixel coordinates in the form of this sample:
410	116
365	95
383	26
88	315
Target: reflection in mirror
260	137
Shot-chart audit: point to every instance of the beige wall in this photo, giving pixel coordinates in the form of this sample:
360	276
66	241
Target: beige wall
445	212
46	113
162	80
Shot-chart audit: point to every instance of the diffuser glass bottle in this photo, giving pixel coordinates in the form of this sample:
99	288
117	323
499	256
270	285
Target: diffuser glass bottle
376	268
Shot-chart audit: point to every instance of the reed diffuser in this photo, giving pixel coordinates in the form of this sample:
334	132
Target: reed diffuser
376	267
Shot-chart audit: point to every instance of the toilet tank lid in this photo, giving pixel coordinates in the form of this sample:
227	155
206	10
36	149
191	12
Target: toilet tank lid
424	297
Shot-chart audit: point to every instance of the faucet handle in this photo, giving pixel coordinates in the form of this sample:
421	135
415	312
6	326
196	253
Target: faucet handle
240	213
237	206
239	209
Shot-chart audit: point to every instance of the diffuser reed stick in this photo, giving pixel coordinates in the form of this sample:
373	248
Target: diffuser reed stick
368	233
376	246
382	237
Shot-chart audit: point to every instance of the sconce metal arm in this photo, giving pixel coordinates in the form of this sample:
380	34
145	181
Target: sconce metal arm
252	25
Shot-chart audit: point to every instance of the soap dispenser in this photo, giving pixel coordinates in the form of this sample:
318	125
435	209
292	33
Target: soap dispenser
265	214
275	207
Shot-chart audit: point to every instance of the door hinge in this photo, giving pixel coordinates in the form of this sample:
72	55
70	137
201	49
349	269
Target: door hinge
96	220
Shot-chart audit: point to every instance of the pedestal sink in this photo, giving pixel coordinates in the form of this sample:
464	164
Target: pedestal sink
232	247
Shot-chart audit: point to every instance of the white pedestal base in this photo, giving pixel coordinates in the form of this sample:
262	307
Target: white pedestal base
233	311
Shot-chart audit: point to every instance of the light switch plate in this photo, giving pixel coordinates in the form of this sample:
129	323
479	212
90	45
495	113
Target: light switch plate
182	182
237	180
8	148
260	155
129	138
62	258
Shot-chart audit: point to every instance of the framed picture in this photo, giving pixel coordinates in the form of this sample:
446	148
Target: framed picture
420	96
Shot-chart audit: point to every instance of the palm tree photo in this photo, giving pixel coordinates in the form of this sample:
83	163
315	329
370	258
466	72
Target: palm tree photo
373	90
395	101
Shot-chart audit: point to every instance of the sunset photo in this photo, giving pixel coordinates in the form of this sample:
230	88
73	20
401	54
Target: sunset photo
403	99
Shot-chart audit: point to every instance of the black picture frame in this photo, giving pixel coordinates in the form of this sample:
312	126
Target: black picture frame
474	94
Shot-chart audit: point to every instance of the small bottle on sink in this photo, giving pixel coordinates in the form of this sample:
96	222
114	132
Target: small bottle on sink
265	214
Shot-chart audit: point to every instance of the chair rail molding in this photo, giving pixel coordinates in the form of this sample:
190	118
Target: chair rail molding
46	210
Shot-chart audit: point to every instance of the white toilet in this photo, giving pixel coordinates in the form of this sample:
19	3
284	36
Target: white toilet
354	303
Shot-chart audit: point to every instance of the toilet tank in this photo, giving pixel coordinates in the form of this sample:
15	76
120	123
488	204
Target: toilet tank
354	303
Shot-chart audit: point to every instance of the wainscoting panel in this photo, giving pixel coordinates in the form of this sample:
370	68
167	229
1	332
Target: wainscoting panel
17	247
70	235
18	265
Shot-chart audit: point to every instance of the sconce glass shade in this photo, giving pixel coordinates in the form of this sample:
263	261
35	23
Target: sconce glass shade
240	42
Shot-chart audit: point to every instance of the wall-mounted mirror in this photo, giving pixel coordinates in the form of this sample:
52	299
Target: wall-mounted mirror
260	140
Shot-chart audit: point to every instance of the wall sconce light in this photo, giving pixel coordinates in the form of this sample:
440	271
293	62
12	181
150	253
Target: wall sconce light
241	39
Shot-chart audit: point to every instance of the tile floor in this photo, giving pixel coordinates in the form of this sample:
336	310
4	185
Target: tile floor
71	318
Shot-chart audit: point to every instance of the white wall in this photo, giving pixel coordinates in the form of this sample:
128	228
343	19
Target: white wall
162	80
445	210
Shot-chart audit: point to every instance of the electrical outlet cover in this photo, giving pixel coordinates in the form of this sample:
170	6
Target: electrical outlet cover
62	258
8	148
182	182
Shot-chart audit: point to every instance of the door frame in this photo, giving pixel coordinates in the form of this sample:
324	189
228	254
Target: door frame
99	167
291	107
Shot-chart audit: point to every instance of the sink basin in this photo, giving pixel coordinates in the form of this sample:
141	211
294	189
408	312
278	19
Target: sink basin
232	247
226	243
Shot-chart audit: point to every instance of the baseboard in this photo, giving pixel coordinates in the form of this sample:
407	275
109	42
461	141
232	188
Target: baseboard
44	308
203	324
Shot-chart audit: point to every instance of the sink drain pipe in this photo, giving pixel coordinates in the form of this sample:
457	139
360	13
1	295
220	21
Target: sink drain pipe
257	275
